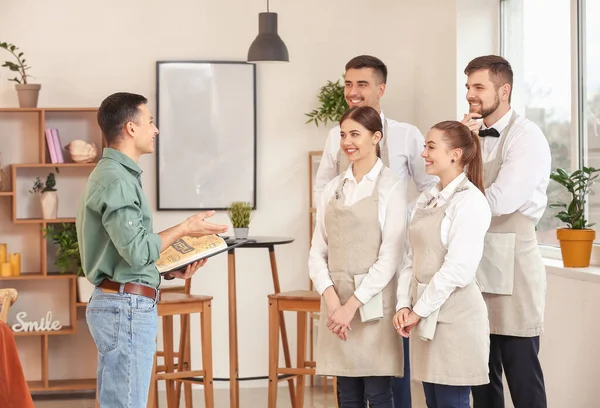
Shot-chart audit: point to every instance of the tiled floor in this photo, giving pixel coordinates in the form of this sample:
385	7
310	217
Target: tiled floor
249	398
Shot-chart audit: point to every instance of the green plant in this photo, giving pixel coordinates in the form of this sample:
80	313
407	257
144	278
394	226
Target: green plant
578	184
20	67
240	213
39	187
332	104
67	253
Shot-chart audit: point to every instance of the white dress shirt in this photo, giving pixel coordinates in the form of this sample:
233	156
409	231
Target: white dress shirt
404	143
466	220
392	220
525	173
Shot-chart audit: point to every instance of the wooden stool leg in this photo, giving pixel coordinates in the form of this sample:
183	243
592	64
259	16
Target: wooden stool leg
301	357
335	392
169	366
311	323
273	351
182	359
284	339
206	336
188	359
153	391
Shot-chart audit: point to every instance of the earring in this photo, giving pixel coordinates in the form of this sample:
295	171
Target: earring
452	161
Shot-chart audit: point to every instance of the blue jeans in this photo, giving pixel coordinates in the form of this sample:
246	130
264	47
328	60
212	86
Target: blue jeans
124	328
446	396
355	392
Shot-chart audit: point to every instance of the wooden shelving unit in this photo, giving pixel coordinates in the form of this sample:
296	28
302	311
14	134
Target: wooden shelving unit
43	115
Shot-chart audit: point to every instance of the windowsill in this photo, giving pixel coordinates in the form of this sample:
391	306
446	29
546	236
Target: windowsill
589	274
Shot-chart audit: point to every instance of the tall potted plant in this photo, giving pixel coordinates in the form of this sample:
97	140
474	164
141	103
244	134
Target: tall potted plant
48	197
577	238
332	104
27	93
239	214
68	258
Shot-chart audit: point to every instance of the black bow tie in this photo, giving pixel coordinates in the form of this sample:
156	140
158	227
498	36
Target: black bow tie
489	132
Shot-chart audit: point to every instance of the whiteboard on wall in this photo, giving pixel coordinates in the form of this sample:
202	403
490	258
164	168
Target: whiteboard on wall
206	148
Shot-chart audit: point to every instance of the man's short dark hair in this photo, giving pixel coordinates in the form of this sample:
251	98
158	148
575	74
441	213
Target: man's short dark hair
500	70
368	61
115	111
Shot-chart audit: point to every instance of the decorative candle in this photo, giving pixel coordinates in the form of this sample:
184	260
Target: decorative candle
5	270
2	253
15	264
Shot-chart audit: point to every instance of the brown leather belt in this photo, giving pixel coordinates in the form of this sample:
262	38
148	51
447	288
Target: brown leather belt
131	288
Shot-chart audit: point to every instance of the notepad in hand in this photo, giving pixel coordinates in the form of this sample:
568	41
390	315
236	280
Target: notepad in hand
187	250
373	309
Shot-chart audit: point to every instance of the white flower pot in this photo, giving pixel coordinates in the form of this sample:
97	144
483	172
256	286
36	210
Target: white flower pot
240	233
84	289
49	202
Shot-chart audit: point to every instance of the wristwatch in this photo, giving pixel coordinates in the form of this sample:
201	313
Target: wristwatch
168	276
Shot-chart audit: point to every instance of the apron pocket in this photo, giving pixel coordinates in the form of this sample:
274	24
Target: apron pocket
373	309
496	271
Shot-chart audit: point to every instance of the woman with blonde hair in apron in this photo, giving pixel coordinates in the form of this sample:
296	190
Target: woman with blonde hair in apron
440	304
355	253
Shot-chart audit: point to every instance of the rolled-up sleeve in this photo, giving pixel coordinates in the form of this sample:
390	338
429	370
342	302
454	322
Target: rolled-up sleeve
122	218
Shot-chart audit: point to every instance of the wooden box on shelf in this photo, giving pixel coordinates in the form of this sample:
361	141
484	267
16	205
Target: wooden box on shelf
30	157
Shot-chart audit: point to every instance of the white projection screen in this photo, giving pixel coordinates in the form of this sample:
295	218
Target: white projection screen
206	148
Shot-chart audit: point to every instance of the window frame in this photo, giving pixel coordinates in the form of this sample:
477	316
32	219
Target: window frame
578	142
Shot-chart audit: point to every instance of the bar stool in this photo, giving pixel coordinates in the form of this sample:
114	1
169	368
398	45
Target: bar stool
172	304
302	302
181	354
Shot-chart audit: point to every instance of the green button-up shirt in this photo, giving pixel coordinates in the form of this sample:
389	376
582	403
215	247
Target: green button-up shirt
114	224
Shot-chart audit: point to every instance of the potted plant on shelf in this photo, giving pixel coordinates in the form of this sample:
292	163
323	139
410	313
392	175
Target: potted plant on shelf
68	258
27	93
240	213
577	238
48	198
332	104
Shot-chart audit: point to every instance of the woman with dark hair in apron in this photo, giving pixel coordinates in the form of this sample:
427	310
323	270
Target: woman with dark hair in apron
355	253
440	304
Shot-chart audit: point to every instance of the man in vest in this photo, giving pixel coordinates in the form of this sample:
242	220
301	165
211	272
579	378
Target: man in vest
516	158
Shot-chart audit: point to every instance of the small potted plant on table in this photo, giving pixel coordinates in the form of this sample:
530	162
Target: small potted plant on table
240	213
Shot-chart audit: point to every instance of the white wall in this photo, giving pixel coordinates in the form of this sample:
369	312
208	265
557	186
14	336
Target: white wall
83	51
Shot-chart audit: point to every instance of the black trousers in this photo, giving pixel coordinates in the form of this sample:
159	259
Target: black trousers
355	392
518	356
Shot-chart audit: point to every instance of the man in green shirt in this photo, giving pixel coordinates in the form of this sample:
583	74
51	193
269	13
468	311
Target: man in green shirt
118	253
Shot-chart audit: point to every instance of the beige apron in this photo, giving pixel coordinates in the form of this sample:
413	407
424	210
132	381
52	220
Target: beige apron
459	351
512	273
342	163
353	240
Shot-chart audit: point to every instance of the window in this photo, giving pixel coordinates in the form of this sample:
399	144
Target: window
552	46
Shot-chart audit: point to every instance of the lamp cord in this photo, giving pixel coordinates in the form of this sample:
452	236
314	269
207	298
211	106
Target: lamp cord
267	6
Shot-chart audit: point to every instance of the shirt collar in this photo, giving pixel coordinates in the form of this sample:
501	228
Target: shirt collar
371	175
501	123
447	192
123	159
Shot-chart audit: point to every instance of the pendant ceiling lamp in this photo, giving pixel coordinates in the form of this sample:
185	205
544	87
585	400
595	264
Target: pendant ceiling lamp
268	46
